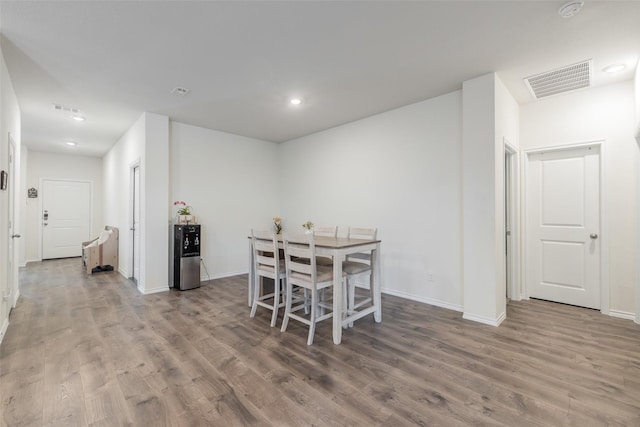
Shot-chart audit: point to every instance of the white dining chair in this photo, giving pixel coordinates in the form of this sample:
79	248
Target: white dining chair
357	266
302	271
267	263
325	231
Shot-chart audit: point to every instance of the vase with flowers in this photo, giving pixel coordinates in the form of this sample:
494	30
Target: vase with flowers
308	227
277	224
184	215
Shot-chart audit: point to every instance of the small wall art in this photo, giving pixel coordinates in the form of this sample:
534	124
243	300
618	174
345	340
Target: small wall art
32	193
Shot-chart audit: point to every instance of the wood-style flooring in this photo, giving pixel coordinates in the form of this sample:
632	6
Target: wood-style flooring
91	351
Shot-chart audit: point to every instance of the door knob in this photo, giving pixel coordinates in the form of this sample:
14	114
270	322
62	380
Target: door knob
593	236
46	223
13	236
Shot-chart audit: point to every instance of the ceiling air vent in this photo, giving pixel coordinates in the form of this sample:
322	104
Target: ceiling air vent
64	108
565	79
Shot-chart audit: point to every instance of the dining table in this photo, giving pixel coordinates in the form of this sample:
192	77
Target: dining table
338	248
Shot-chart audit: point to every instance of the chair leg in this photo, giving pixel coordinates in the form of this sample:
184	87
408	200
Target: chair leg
352	299
287	307
256	295
314	308
277	292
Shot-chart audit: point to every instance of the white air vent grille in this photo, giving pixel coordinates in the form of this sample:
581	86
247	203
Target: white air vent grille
572	77
66	109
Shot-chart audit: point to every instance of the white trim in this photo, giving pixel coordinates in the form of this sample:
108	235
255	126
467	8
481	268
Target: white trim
16	295
423	300
130	253
164	288
604	229
622	314
3	330
223	275
515	291
486	320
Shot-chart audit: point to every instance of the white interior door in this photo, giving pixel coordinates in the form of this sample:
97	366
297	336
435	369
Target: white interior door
66	218
12	280
136	223
6	287
563	223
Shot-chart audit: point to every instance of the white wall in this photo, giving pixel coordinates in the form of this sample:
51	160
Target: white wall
399	171
232	184
42	165
146	144
637	135
604	113
490	114
9	124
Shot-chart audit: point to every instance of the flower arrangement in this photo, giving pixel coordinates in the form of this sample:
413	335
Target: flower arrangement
183	208
277	222
307	225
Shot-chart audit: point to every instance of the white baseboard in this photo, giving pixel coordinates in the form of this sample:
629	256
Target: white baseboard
485	320
15	298
153	290
622	314
3	330
424	300
223	275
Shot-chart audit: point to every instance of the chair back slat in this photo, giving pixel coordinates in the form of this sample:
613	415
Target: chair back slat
326	231
369	233
300	262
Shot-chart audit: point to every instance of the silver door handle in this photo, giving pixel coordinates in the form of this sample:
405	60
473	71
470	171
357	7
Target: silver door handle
13	236
593	236
46	223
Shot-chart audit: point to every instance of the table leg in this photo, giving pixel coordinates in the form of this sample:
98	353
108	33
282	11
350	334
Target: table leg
337	299
377	298
251	275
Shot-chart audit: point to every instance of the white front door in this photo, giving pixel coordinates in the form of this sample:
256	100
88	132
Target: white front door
563	226
66	218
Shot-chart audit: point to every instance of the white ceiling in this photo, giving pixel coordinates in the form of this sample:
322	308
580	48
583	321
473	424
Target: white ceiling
242	60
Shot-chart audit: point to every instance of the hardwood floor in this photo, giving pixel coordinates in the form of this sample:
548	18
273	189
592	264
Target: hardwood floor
91	351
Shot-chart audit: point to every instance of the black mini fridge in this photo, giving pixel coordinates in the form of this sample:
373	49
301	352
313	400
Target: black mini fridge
186	256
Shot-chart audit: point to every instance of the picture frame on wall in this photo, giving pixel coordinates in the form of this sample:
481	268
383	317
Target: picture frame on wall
4	177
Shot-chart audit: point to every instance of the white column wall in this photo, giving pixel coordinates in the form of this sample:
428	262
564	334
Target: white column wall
154	181
602	113
146	143
399	171
483	265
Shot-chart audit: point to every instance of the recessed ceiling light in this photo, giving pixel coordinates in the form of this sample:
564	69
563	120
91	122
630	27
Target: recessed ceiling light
71	143
570	9
78	118
295	101
614	68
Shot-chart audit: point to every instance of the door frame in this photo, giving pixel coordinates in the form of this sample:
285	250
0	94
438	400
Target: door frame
514	259
604	219
41	181
131	255
13	276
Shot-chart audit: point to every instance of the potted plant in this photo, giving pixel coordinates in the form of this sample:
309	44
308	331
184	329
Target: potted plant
308	227
184	213
277	223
